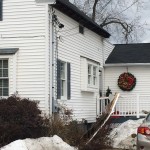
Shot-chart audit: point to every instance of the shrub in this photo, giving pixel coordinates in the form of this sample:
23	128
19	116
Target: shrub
70	132
19	119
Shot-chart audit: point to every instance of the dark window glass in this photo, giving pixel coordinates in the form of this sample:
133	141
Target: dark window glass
81	29
4	80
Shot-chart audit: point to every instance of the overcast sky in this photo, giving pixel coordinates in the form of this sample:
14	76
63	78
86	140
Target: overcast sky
145	19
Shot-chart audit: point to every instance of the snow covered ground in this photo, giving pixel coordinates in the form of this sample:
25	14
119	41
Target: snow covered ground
121	137
44	143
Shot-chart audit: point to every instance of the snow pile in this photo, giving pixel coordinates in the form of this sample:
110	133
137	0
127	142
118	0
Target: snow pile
44	143
122	135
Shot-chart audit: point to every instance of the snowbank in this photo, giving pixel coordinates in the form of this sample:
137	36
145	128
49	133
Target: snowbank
121	136
44	143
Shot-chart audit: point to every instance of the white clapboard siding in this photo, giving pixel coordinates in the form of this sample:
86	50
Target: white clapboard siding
108	47
24	27
129	101
72	45
142	74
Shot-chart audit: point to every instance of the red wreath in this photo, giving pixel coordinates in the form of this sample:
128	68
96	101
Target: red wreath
126	81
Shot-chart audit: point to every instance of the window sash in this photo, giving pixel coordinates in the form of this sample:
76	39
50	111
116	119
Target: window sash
63	80
4	77
92	75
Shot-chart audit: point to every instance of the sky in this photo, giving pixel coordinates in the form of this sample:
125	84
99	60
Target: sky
145	17
144	13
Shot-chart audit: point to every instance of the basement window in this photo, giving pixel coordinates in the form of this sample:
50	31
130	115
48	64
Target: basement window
81	29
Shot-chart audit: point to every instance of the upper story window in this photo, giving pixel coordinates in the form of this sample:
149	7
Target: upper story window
63	80
92	75
1	10
4	79
89	75
81	29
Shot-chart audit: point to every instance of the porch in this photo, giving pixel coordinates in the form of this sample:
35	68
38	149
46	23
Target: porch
127	105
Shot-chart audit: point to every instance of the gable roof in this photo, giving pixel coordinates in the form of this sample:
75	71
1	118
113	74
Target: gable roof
72	11
130	53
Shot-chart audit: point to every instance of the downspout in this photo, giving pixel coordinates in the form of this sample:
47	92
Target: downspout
51	59
47	73
103	70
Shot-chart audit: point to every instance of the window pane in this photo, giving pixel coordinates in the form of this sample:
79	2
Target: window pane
5	91
89	69
1	85
62	70
5	72
1	92
94	71
89	79
62	88
94	80
5	63
1	73
5	82
0	63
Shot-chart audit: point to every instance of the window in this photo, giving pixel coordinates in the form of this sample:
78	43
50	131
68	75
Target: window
81	29
89	75
92	75
4	80
1	10
63	80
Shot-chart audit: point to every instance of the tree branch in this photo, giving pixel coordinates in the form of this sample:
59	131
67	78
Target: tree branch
94	10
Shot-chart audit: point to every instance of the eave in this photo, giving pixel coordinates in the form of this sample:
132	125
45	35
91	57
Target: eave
126	64
73	12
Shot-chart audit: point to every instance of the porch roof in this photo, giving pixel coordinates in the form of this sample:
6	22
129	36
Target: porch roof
72	11
137	53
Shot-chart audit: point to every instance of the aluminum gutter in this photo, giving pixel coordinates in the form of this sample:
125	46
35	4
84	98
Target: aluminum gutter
127	64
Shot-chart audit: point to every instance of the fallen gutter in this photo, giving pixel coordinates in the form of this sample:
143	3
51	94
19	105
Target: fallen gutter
109	111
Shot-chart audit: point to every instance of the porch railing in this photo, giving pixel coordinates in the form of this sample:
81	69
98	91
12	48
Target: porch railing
131	105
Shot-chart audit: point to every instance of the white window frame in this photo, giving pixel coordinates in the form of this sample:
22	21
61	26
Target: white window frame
64	97
92	74
1	59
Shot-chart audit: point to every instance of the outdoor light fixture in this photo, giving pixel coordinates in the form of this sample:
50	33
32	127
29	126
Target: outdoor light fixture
61	25
55	19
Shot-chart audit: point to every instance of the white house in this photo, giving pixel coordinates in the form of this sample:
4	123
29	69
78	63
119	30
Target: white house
52	52
135	59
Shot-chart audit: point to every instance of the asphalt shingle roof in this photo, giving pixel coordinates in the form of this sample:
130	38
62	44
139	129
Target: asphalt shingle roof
72	11
130	53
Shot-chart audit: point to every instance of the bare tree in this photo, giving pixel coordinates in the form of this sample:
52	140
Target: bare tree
119	17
